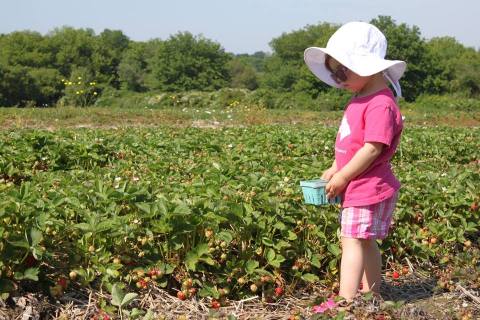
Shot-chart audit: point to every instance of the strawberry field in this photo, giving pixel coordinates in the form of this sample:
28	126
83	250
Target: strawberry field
214	214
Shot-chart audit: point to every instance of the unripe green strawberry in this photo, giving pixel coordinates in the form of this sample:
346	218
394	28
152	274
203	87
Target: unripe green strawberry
72	275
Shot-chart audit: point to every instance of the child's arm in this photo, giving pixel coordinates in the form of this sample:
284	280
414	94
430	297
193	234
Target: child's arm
359	163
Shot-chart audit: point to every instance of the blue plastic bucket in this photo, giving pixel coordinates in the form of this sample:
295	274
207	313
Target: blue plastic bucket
314	192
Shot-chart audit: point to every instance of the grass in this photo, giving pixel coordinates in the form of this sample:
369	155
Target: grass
102	117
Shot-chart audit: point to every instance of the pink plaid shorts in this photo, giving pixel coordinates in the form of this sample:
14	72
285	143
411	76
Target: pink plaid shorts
368	222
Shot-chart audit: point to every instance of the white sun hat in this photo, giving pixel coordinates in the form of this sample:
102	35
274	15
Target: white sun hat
360	47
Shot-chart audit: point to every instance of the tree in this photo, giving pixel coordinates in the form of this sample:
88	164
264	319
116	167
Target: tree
460	65
423	74
256	60
109	47
48	87
185	62
132	70
28	76
242	74
72	48
281	74
290	46
16	86
285	70
467	73
26	48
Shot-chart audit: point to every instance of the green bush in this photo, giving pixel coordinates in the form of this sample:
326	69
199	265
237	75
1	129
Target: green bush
190	99
81	89
326	101
123	99
223	98
330	100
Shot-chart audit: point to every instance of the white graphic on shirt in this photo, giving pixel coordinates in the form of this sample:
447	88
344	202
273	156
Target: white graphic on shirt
344	128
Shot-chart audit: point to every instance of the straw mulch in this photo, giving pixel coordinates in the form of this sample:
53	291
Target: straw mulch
414	296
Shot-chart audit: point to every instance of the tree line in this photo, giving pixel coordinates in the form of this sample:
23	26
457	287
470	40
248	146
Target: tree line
74	66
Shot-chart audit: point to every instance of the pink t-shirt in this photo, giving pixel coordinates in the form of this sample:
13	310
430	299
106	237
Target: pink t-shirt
373	118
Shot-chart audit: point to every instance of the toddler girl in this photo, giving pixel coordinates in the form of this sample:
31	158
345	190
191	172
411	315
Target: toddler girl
354	59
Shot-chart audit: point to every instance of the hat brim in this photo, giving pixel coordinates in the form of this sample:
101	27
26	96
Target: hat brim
363	65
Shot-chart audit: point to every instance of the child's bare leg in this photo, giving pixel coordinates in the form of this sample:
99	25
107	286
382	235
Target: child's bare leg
351	268
372	276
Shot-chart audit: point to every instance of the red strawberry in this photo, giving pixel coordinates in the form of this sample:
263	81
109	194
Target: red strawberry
474	206
181	295
278	291
143	283
62	282
395	275
101	316
215	304
152	272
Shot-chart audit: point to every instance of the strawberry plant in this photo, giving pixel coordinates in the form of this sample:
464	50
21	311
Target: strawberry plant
212	212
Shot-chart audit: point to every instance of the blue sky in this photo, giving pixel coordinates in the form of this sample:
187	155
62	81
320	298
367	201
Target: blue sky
242	26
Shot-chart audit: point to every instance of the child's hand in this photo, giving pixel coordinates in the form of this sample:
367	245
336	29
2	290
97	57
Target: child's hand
328	174
336	185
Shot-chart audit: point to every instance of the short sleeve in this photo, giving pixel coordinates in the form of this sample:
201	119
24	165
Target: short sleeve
379	124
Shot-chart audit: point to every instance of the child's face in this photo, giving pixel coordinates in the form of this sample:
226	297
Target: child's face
345	77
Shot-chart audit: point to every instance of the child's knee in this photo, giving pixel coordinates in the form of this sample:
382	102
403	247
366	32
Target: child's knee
369	243
352	242
359	242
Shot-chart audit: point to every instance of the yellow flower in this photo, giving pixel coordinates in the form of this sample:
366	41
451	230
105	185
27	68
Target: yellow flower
95	93
79	82
79	78
77	92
